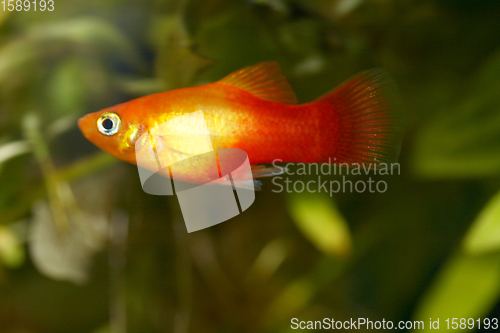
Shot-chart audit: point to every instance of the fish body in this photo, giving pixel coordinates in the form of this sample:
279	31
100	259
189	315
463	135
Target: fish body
255	109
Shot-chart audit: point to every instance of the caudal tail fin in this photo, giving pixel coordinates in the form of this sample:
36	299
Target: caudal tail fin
362	120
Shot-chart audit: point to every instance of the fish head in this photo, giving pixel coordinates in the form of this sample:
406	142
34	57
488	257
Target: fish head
113	131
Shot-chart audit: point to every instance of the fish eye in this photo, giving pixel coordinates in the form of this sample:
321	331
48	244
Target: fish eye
108	123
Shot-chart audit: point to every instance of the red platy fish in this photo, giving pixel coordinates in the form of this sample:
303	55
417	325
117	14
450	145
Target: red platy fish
256	110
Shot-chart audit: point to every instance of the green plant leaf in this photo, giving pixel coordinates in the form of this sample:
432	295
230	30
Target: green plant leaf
300	292
12	252
484	234
464	142
320	221
64	253
13	149
468	286
177	63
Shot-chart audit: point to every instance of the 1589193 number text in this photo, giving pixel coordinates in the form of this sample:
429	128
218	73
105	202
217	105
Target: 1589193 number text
26	5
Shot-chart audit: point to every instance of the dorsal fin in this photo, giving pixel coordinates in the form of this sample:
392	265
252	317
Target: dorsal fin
264	80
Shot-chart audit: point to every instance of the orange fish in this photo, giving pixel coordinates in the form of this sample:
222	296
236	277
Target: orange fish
255	109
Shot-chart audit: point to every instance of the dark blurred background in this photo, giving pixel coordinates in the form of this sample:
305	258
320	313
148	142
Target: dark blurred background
84	249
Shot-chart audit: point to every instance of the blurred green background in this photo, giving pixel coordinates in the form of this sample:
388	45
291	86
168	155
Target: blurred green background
84	249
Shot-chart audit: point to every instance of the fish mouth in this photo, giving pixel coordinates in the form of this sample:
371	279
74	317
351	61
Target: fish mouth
85	125
80	124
